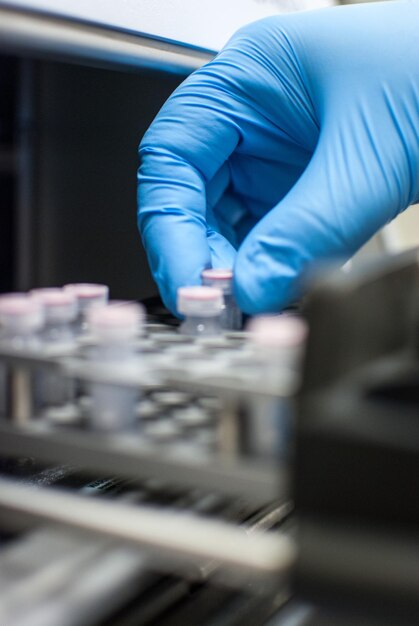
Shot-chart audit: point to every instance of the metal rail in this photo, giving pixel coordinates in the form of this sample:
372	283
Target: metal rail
170	537
73	366
23	32
125	456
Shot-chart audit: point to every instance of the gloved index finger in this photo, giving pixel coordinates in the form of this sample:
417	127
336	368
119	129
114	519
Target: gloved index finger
186	145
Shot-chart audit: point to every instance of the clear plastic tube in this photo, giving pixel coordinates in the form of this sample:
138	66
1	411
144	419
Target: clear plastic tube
231	317
201	307
58	339
20	322
60	310
278	344
87	296
114	329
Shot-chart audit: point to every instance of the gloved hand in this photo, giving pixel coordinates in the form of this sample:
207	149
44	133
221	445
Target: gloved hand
295	144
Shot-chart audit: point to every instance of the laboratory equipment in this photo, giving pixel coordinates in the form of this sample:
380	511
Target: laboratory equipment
114	328
231	317
60	309
212	523
202	308
87	295
278	345
58	339
174	460
21	319
357	453
279	340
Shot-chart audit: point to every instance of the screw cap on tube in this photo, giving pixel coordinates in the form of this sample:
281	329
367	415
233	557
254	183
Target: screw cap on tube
20	314
88	293
199	301
279	331
221	278
115	323
59	305
215	274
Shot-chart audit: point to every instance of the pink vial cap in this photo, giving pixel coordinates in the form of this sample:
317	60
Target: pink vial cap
116	321
88	291
217	274
52	296
17	310
205	301
277	331
58	304
14	294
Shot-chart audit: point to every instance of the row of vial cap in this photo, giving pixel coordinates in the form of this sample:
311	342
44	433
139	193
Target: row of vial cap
85	305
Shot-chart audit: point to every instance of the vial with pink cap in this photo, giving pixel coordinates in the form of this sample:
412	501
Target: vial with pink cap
87	295
20	322
114	330
60	310
277	350
201	308
231	317
21	319
58	339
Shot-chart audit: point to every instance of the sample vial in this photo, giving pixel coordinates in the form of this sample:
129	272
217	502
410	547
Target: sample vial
87	295
202	307
114	329
58	339
279	340
231	317
20	322
278	344
60	310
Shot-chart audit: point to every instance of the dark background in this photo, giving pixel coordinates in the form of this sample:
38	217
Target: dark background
68	161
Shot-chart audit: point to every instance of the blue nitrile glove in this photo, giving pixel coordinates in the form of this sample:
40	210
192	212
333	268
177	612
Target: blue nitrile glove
295	144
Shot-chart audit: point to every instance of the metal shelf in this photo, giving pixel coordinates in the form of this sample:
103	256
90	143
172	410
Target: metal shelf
170	537
45	36
257	483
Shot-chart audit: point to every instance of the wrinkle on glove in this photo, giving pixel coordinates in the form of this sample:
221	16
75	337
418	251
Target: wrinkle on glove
292	147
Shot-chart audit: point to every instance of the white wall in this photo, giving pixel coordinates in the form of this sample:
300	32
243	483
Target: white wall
403	232
203	23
